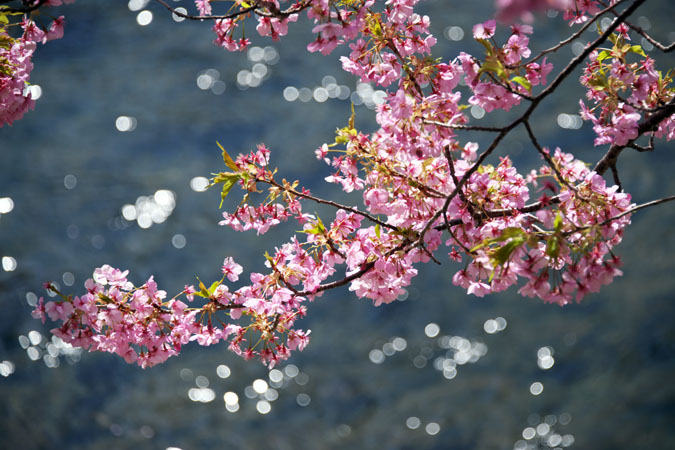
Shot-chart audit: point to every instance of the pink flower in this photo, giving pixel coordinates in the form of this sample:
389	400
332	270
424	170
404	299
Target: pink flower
59	310
516	48
56	29
107	275
231	269
14	99
484	30
298	339
32	32
39	312
624	128
204	7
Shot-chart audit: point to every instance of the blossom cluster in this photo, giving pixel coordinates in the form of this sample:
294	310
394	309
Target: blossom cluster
16	61
624	85
427	189
563	253
15	58
144	327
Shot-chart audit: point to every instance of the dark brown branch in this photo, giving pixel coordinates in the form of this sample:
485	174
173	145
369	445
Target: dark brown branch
495	213
463	127
578	33
625	213
643	33
583	55
408	73
191	17
331	203
367	267
547	157
28	8
508	87
648	148
617	180
257	7
466	177
324	287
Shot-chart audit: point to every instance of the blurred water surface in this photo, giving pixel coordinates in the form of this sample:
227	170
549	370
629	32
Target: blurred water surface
107	170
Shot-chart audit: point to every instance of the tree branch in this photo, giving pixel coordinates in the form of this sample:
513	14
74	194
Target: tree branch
625	213
582	56
643	33
462	127
547	157
578	33
331	203
273	11
28	8
191	17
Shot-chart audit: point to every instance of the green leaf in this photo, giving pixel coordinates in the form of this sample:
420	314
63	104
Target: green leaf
489	50
227	187
637	49
314	230
377	230
514	233
203	292
510	233
229	162
213	287
228	179
503	253
598	83
318	228
351	118
523	82
492	66
375	28
603	55
320	224
553	247
557	222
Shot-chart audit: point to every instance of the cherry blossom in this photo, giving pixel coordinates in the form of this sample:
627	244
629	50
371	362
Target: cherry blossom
16	61
428	191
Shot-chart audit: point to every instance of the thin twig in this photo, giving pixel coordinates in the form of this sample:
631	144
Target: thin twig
508	87
225	16
451	167
272	11
547	157
465	178
26	9
643	33
463	127
324	287
575	35
330	203
615	174
582	56
497	213
625	213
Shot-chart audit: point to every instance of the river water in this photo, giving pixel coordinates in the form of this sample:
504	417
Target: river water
107	169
